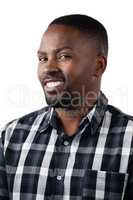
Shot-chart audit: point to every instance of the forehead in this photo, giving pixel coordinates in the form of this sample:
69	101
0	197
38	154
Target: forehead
62	35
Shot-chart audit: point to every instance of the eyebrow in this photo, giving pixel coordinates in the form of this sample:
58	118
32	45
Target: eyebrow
56	50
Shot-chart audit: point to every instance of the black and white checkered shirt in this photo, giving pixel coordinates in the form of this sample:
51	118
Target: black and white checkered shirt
39	162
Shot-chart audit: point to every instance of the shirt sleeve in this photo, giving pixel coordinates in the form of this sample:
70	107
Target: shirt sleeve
4	193
129	186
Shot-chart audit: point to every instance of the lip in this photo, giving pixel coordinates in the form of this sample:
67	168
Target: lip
52	80
55	89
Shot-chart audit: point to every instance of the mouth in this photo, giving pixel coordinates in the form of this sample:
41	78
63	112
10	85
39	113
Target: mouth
51	85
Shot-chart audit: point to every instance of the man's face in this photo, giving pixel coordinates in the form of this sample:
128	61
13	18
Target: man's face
67	66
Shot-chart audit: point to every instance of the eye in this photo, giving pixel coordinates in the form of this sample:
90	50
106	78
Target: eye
64	57
43	59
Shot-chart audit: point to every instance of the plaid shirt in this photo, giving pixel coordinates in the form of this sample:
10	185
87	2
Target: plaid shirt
39	162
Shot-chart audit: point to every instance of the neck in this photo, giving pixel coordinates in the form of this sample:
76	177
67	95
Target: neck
70	118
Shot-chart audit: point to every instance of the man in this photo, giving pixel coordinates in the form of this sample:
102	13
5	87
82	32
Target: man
78	147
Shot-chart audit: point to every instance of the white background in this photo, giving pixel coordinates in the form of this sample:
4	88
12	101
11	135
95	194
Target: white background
22	23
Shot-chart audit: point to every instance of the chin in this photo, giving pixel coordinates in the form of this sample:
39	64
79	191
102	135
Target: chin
58	102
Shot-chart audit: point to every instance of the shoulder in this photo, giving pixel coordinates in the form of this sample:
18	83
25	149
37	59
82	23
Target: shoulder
24	123
116	112
119	120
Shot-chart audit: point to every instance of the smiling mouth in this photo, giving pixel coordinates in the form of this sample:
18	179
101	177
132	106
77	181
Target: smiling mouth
54	86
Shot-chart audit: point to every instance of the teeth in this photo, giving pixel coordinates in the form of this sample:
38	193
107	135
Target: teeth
54	84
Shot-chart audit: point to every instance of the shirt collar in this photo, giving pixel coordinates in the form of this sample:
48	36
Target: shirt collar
101	106
94	116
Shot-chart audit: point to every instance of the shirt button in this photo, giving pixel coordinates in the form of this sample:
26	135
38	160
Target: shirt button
59	178
66	143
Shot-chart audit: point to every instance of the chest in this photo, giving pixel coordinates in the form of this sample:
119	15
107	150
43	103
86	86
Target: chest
87	166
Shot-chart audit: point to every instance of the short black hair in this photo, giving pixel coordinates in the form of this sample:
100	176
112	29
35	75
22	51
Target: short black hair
88	25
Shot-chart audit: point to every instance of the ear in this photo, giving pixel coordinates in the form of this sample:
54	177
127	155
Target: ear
101	63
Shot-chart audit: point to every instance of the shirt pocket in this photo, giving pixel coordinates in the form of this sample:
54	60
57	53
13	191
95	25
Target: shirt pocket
103	185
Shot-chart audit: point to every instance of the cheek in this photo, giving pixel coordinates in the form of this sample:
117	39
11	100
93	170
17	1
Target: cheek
74	74
83	78
83	73
39	73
